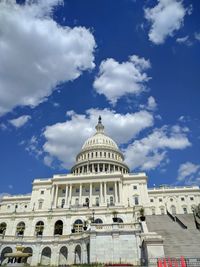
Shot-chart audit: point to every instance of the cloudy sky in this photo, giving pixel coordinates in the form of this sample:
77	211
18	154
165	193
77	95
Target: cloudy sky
64	63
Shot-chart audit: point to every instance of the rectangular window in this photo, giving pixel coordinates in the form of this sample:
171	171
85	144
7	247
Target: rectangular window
42	192
136	200
110	188
76	201
63	191
40	205
77	190
191	198
160	199
135	187
97	189
182	199
151	200
97	201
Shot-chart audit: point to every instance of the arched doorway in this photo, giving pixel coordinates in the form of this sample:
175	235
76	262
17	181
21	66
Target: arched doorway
58	229
28	250
4	260
46	256
3	228
63	255
77	254
39	228
78	226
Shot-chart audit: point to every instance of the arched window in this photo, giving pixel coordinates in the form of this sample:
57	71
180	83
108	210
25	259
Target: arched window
3	228
98	221
78	226
185	210
119	220
58	229
39	228
162	210
20	229
153	211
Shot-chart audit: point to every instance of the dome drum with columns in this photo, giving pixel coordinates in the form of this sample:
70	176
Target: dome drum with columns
99	154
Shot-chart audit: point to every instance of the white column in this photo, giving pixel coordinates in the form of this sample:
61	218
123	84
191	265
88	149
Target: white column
56	197
101	193
116	195
103	167
90	194
66	196
52	195
105	192
70	194
120	192
98	168
80	194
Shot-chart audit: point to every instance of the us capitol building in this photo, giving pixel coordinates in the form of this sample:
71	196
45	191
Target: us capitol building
100	213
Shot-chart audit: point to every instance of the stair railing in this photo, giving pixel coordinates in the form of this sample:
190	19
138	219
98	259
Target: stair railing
171	216
180	223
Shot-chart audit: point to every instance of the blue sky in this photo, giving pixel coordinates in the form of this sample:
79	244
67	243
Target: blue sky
64	63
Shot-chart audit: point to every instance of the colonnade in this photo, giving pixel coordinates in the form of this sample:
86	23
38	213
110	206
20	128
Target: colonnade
89	190
98	167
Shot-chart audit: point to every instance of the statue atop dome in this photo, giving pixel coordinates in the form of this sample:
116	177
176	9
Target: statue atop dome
99	127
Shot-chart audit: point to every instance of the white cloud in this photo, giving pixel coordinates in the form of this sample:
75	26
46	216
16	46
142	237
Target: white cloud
189	173
151	105
3	126
165	18
33	146
37	54
151	151
184	40
118	79
197	36
20	121
64	140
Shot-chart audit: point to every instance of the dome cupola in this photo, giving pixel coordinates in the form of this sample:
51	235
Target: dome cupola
99	153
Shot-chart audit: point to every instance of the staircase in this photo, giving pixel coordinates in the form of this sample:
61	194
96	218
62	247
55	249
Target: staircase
178	241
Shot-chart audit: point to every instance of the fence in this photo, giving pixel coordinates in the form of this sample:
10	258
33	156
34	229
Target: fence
174	262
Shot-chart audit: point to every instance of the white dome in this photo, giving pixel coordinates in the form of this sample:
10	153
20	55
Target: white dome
99	140
99	153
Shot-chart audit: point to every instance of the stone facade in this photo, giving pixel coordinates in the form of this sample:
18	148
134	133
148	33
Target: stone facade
98	187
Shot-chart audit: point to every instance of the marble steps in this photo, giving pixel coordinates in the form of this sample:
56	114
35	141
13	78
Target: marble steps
177	241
